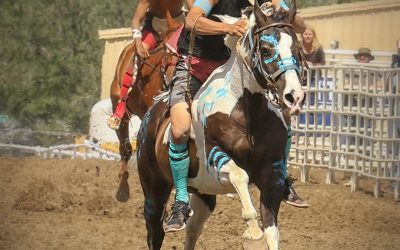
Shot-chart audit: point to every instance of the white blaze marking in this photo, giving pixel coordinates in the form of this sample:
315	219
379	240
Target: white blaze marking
292	81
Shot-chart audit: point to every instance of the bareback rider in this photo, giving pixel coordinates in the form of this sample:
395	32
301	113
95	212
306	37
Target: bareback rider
209	52
150	12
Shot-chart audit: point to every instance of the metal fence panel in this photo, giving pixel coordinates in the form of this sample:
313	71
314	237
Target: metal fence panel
351	122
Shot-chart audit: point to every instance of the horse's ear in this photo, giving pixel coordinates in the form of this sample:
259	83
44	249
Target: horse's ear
261	12
247	12
292	9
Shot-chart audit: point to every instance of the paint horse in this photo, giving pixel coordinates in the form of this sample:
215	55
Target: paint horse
240	119
154	75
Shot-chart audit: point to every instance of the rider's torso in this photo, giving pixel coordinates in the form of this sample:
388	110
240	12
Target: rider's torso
213	47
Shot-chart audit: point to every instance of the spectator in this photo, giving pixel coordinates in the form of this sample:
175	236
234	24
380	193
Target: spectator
315	56
313	51
396	57
364	55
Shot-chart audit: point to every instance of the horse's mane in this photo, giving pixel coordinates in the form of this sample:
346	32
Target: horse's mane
231	41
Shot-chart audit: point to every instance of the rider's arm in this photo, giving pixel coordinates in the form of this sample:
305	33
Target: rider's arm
189	4
196	18
138	17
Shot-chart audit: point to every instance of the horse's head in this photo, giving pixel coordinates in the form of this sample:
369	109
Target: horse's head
170	40
275	53
168	50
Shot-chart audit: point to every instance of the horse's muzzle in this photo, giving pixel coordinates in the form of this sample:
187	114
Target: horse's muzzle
294	100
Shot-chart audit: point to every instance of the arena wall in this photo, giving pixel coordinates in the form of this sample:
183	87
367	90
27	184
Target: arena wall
372	24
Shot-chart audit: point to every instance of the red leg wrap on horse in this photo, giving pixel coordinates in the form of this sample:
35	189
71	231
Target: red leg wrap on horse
127	82
120	109
127	78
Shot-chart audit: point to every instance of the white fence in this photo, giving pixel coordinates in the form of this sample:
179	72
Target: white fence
351	122
73	151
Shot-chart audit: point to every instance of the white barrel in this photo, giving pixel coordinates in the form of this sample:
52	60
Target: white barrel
99	129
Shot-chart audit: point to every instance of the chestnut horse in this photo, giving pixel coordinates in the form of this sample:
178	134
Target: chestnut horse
240	119
154	74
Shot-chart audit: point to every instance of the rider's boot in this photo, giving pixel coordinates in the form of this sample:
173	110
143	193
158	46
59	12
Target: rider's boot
291	197
115	120
179	161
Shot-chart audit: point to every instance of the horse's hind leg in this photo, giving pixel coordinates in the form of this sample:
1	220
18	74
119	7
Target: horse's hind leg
203	206
154	209
125	150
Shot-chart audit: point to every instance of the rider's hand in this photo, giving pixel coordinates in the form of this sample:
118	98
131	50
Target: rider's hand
238	28
140	50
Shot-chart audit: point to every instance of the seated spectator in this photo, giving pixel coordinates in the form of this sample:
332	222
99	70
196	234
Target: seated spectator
364	55
396	57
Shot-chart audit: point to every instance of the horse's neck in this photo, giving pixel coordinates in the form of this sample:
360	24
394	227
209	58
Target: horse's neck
243	81
222	90
241	77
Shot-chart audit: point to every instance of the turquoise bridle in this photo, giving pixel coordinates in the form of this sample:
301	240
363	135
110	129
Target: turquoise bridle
284	64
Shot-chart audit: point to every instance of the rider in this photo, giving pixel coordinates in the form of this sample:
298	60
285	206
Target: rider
209	52
146	39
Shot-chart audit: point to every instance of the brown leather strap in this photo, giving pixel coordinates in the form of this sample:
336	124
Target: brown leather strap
189	61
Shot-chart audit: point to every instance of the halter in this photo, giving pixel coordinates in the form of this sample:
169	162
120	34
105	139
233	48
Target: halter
284	64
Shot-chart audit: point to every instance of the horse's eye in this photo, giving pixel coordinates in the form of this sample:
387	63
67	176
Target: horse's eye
266	52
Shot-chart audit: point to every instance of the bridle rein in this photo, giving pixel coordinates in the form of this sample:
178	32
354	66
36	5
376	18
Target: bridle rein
163	67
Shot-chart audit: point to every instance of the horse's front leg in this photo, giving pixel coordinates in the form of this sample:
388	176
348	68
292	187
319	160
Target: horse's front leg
270	182
204	205
125	150
240	180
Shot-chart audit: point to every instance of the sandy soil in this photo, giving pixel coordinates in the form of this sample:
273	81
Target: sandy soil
70	204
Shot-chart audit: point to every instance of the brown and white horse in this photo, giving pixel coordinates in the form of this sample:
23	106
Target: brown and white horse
154	74
240	119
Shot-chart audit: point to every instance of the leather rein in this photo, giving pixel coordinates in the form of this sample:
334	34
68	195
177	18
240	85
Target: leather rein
163	69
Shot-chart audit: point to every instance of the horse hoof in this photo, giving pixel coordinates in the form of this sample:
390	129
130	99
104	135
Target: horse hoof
114	122
254	244
123	189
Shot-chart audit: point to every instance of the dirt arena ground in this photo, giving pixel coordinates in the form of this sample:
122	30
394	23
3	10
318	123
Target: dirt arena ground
70	204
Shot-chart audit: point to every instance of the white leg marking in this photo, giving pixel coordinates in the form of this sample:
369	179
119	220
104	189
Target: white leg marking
271	234
240	180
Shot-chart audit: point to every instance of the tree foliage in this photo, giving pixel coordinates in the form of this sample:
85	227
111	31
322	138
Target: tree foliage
50	58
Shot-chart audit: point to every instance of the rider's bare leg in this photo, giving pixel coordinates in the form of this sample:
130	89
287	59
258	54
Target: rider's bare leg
179	161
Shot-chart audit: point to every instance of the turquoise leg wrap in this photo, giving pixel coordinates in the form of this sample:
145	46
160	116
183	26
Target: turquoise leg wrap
287	151
179	161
